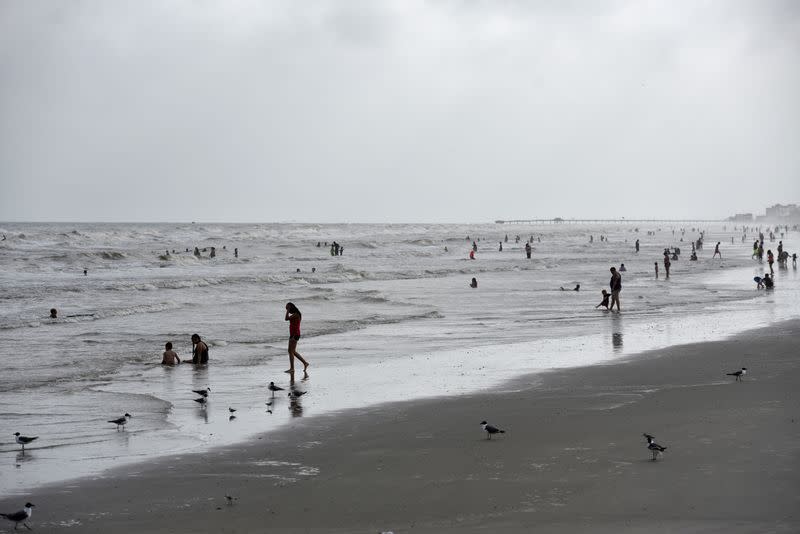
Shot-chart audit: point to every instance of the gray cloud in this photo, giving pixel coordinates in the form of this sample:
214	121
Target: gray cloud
396	111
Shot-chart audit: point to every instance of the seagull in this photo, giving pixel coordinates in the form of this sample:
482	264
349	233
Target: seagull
648	437
202	392
201	401
491	429
231	409
739	374
20	517
231	499
273	388
654	447
296	393
269	403
122	421
24	440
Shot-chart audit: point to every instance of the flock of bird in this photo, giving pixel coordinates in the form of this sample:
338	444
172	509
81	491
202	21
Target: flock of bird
23	515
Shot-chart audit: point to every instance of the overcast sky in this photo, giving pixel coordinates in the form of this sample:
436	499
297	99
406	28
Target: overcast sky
396	111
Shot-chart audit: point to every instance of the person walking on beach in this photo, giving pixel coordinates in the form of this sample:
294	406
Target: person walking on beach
637	246
667	263
199	350
294	317
656	265
170	356
616	287
717	252
528	250
770	260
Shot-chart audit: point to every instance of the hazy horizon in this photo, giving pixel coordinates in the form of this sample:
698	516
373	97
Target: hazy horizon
397	111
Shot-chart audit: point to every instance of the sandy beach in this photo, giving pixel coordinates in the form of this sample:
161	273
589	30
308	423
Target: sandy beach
573	459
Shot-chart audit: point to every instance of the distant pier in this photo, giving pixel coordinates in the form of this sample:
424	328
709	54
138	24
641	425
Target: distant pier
559	220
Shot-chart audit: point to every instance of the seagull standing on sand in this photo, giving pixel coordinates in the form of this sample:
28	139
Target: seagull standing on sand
20	517
296	393
231	409
273	388
739	374
202	392
654	447
491	429
24	440
201	401
122	421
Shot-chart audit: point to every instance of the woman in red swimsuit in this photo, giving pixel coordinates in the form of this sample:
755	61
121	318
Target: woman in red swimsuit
294	316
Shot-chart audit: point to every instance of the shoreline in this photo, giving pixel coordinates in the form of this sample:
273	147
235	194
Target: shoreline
424	465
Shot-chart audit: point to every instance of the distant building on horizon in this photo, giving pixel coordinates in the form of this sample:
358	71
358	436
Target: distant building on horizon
781	213
742	217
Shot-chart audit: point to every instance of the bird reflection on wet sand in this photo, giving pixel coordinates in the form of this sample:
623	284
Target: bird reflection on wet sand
295	408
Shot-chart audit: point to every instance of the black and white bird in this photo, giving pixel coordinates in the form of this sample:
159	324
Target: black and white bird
654	447
273	388
648	437
24	440
491	429
296	394
231	409
122	421
20	517
201	401
202	392
739	374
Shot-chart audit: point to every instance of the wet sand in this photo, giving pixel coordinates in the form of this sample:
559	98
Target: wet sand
573	459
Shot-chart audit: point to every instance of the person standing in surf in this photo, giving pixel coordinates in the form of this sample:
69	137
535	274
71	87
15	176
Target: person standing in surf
294	317
616	287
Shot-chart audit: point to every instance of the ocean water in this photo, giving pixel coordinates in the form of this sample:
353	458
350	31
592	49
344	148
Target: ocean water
391	319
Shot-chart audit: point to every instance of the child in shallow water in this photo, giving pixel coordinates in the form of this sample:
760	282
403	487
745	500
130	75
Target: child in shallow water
606	296
170	356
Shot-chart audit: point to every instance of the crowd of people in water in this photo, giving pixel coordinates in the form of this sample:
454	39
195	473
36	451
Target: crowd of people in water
200	350
670	254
